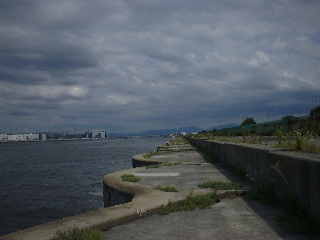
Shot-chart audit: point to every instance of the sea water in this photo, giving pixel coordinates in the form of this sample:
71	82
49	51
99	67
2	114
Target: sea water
45	181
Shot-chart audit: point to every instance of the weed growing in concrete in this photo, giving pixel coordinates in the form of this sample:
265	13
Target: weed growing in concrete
286	144
150	154
303	142
130	178
179	141
192	202
167	164
220	185
78	234
166	188
204	135
163	165
153	166
279	135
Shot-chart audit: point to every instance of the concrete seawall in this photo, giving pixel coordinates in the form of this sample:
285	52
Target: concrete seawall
140	161
232	215
287	171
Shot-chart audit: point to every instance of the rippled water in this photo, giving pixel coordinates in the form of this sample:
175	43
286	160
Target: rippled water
45	181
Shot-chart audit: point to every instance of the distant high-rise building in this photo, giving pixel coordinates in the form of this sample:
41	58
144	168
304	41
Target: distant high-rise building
98	134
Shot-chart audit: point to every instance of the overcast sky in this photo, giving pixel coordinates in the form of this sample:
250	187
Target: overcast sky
130	66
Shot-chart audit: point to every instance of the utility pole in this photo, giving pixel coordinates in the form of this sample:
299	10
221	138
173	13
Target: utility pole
314	117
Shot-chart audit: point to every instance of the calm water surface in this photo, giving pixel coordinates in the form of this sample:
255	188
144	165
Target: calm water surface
45	181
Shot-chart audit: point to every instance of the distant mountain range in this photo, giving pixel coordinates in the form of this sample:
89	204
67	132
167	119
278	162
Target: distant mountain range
164	132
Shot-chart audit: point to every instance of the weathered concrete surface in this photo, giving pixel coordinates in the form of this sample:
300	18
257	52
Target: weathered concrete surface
289	171
232	218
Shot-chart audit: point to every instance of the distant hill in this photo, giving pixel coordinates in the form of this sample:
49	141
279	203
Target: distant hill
219	127
161	132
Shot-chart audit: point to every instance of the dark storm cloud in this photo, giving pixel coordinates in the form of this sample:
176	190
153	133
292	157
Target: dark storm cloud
136	65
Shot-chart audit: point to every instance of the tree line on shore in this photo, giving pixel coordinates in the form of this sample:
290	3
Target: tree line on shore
288	123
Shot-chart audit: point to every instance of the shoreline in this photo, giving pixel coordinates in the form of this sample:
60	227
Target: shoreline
145	200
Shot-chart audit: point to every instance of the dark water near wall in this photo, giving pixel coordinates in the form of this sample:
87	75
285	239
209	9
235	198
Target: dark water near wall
45	181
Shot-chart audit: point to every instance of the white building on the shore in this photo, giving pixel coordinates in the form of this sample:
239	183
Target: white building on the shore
22	137
98	134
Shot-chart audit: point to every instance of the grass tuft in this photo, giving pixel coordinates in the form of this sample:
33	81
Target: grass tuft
150	154
179	141
130	178
166	188
192	202
153	166
78	234
220	185
166	164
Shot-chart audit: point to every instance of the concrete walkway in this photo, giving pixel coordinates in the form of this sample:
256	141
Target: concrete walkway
234	217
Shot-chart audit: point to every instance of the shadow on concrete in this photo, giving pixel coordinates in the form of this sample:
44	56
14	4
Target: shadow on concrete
267	213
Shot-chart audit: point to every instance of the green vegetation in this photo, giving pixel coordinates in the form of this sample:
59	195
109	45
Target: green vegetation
204	135
179	141
303	142
166	164
153	166
248	121
130	178
288	124
192	202
150	154
166	188
280	135
220	185
286	144
289	118
78	234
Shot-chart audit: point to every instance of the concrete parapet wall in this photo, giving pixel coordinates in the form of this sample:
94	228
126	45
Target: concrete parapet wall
113	197
117	192
287	171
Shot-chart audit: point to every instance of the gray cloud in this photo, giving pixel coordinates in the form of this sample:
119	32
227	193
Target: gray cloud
129	66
